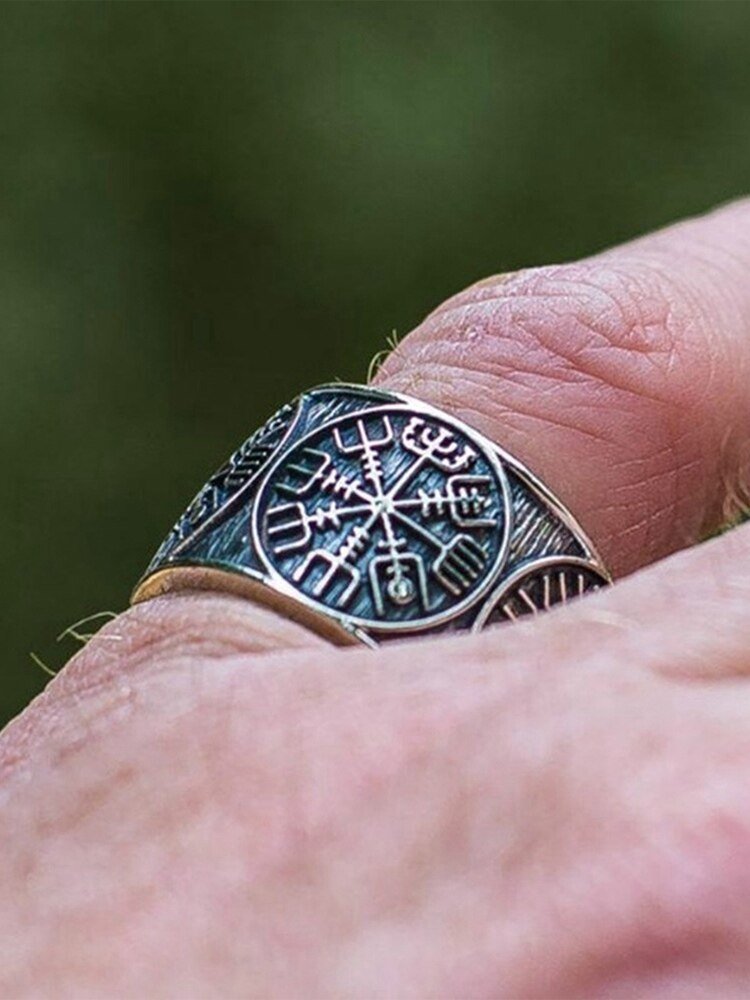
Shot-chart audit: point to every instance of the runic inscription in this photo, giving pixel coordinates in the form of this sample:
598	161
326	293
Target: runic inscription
540	589
385	516
226	483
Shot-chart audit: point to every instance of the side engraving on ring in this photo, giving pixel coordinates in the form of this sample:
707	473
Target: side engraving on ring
539	587
226	483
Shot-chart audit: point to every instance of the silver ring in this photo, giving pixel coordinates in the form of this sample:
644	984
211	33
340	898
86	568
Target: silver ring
368	516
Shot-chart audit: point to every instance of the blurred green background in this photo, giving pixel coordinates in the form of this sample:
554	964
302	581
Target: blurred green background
206	207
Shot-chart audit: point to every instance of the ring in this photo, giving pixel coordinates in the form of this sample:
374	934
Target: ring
368	516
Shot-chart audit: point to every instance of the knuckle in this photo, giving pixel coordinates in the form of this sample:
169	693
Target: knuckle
614	362
622	326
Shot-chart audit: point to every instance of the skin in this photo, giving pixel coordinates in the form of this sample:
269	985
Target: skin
211	801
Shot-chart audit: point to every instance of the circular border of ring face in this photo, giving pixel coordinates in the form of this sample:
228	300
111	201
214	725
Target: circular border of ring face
373	626
531	569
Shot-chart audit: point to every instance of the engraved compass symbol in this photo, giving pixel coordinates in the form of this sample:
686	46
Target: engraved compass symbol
388	516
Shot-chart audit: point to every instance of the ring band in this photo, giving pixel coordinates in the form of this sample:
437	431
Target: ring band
369	516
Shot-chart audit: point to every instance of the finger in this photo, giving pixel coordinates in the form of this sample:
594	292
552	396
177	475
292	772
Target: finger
472	797
622	380
193	626
685	617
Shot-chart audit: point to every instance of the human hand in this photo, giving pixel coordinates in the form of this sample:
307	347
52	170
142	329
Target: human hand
210	801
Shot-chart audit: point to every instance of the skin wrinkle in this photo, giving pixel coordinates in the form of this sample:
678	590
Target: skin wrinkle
152	634
718	346
675	471
590	374
654	334
571	360
581	290
627	330
527	285
561	424
466	386
582	357
504	369
638	461
170	624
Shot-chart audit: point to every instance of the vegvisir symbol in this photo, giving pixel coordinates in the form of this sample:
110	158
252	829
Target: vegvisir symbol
384	514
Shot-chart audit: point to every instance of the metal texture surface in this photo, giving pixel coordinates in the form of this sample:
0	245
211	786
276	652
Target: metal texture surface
370	516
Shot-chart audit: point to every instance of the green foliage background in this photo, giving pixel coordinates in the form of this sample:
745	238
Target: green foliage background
205	207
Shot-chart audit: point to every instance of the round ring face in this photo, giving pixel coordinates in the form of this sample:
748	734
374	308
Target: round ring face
393	518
